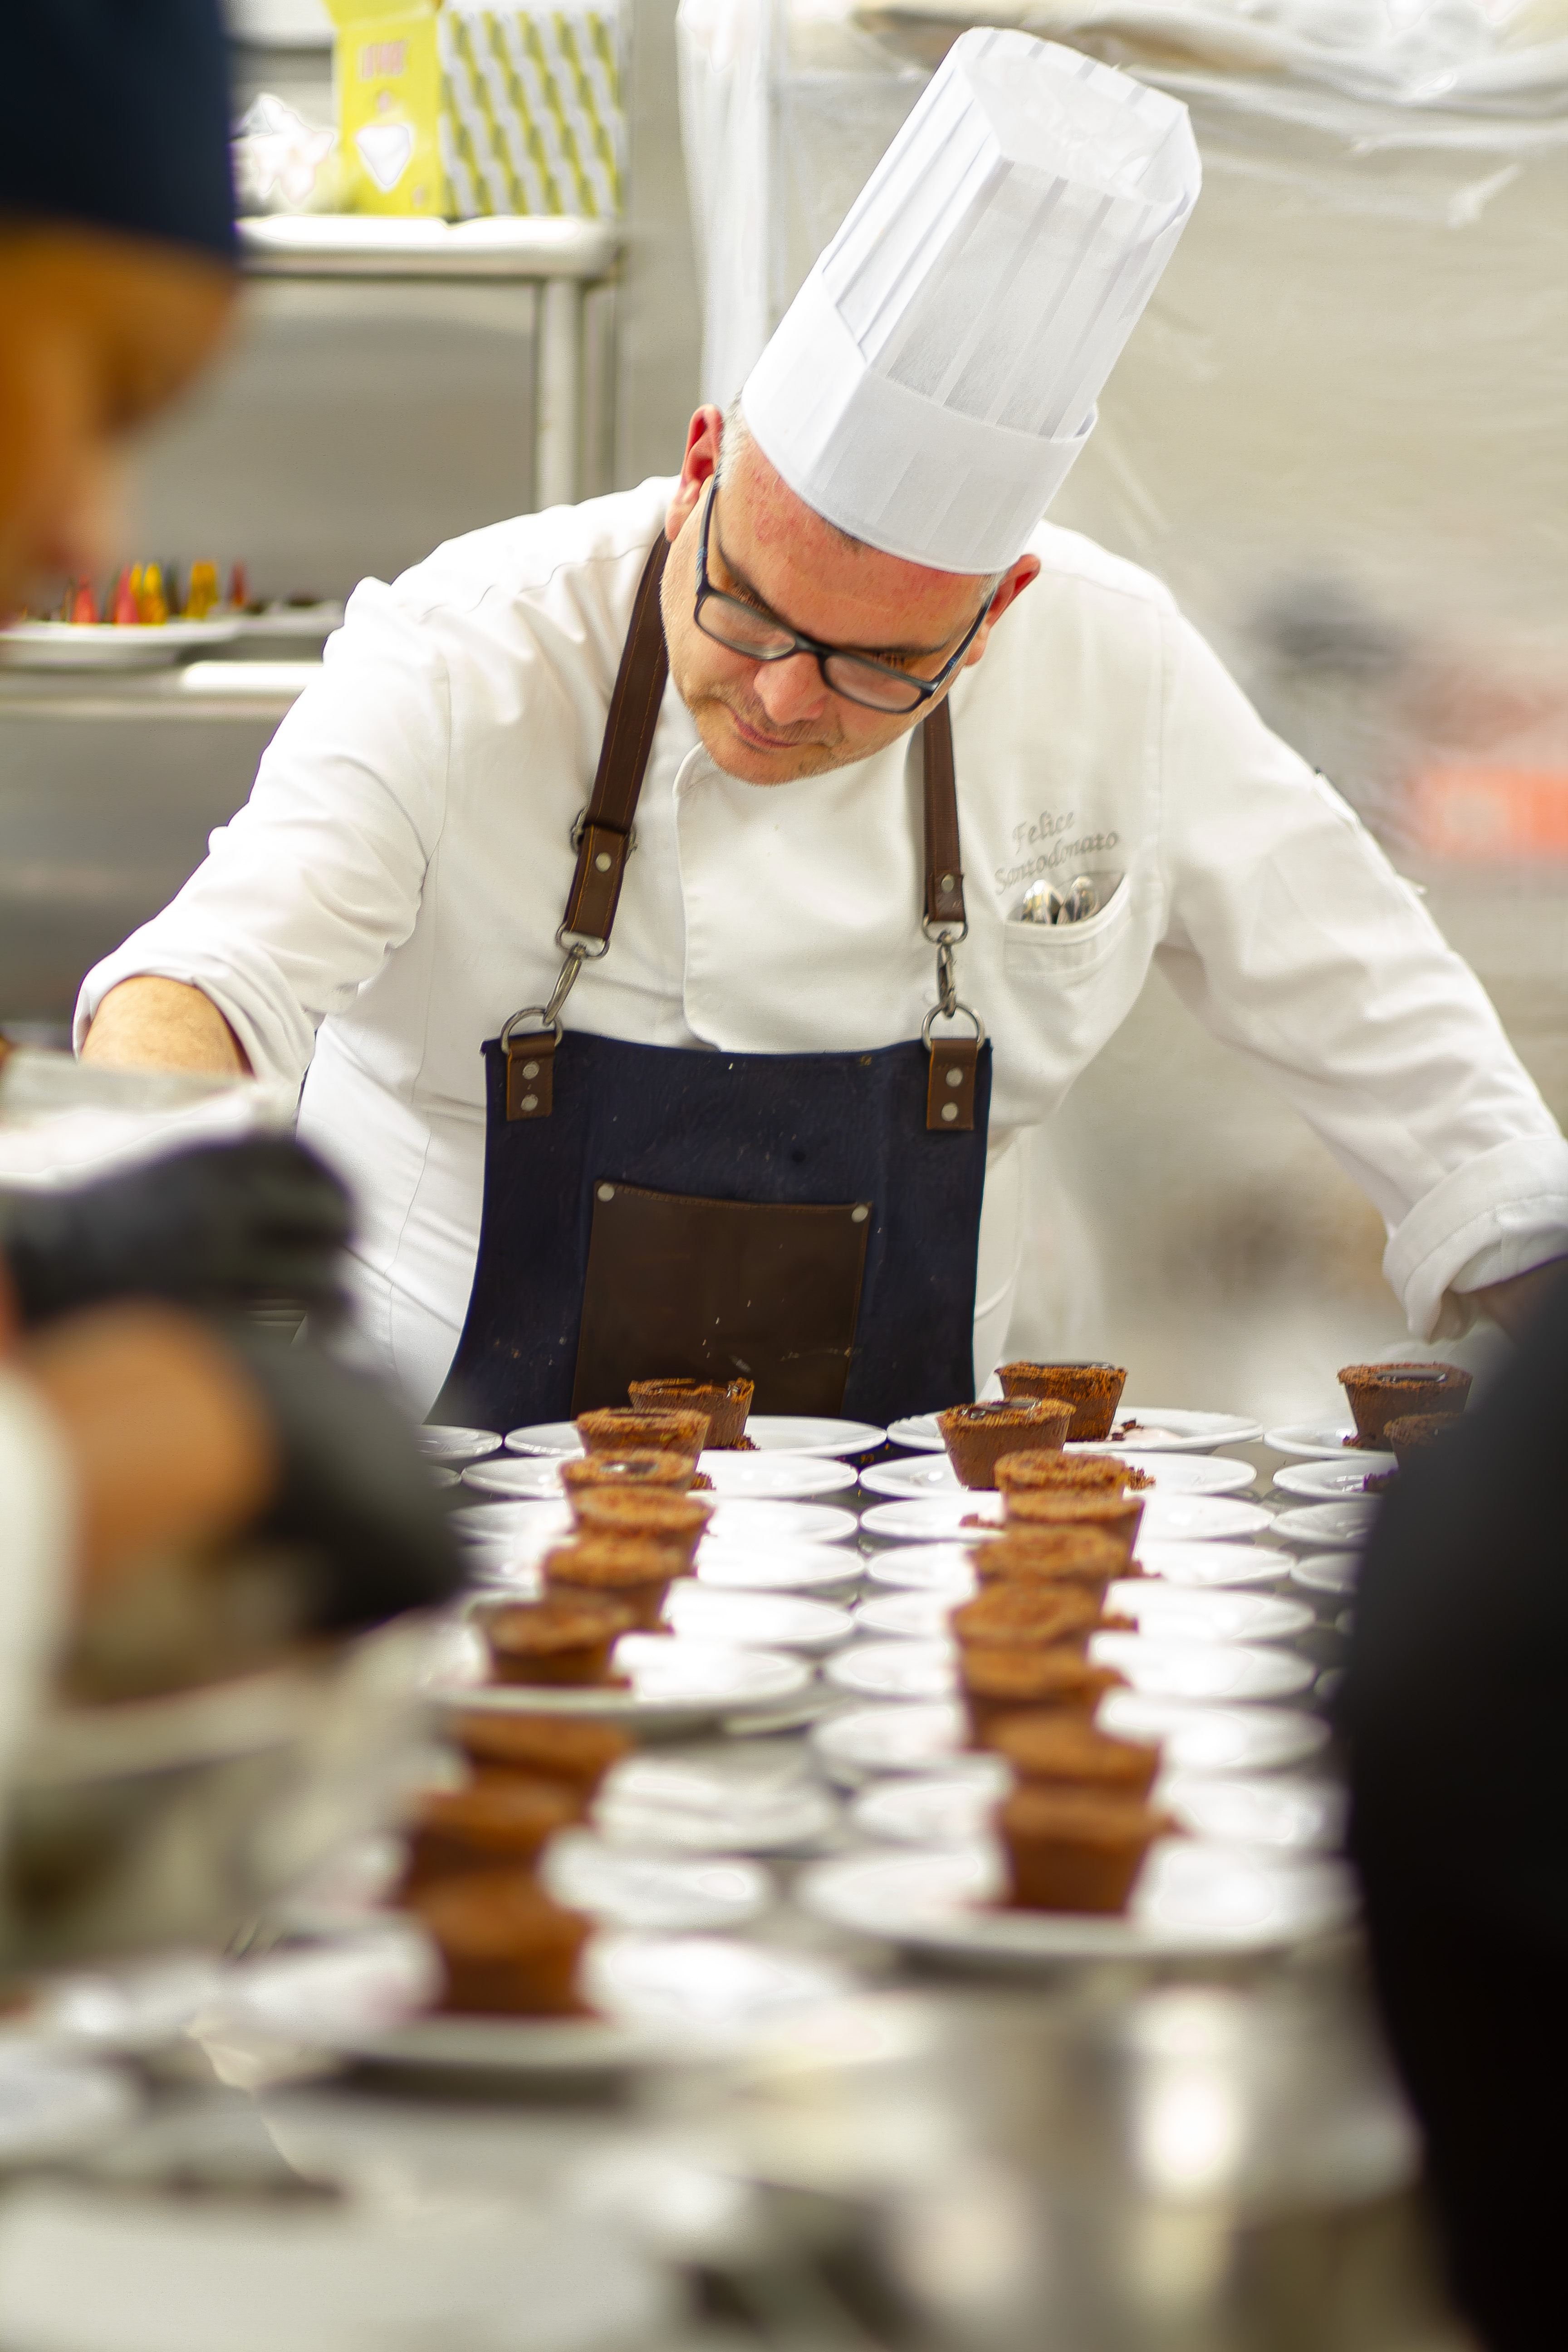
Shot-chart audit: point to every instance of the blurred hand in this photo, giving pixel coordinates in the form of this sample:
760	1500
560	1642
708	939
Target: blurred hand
217	1226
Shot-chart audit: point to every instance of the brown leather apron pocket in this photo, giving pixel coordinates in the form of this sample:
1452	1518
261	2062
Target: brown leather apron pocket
714	1289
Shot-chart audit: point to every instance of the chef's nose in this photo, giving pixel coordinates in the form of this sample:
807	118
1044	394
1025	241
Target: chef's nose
791	690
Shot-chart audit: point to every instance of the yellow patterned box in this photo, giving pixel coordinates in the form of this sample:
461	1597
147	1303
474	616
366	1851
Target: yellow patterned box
457	110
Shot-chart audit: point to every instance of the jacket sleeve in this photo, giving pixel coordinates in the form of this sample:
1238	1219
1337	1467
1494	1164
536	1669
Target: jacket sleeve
320	875
1289	935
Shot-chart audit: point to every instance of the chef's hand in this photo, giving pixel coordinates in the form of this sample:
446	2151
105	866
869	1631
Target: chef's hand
217	1226
183	1437
354	1496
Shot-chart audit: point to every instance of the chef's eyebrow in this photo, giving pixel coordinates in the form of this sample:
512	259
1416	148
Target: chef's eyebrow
876	653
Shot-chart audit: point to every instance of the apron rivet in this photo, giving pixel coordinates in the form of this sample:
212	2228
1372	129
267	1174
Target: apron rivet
947	881
602	861
858	1216
530	1102
955	1078
950	1110
606	1191
530	1069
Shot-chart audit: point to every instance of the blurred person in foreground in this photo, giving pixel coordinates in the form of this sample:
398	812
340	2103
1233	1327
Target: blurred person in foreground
1456	1705
140	1417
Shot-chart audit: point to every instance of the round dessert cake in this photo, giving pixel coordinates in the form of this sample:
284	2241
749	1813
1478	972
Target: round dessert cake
977	1436
1380	1393
564	1638
1093	1390
726	1404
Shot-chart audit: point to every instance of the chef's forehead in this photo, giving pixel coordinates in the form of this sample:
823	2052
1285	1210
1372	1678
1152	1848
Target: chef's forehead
114	115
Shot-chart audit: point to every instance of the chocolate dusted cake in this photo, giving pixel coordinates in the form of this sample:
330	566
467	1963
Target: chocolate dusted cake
1410	1434
1074	1849
1051	1473
617	1429
639	1471
1116	1515
627	1570
998	1682
977	1436
1067	1751
1081	1559
677	1523
1025	1616
726	1404
564	1639
1380	1393
553	1747
1093	1390
498	1820
507	1950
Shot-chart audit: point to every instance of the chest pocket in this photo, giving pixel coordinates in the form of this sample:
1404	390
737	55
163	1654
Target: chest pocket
1067	951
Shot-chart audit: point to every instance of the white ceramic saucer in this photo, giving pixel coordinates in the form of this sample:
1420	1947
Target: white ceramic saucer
1334	1482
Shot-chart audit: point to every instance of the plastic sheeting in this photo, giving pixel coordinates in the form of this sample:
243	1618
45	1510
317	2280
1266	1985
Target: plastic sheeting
1340	432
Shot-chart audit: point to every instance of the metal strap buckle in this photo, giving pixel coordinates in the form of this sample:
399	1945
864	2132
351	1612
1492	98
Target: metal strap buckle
580	825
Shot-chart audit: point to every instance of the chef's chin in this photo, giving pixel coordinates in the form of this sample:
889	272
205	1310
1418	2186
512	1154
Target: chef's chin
756	763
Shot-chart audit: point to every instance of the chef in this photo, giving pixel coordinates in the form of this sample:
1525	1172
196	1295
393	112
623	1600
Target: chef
679	907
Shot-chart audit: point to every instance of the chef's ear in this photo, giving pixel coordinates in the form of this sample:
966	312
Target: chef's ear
1008	589
703	437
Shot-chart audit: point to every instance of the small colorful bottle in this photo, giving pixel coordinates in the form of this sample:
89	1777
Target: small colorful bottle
127	613
201	594
84	606
151	602
238	590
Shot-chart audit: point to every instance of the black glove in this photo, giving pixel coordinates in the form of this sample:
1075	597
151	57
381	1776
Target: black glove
222	1225
356	1498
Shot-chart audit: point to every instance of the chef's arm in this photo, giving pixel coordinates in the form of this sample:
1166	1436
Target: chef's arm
1291	936
1513	1305
319	876
149	1024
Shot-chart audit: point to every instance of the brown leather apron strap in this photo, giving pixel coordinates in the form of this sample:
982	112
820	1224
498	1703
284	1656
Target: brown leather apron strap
944	871
603	839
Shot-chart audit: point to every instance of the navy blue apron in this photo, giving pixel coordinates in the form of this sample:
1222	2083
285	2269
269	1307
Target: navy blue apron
810	1220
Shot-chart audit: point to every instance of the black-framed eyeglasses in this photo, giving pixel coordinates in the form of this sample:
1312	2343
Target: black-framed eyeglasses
858	678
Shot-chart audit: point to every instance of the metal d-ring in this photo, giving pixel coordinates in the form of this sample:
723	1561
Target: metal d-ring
938	1012
529	1012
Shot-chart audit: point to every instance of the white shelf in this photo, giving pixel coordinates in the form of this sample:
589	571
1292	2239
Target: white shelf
367	245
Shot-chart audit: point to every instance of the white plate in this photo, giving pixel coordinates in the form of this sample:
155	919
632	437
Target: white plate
1310	1441
932	1519
909	1616
770	1432
895	1669
522	1523
753	1797
526	1530
943	1568
1208	1564
1199	1613
442	1441
1191	1900
1199	1519
1215	1738
756	1621
767	1526
1333	1481
1293	1816
1160	1667
755	1477
1327	1527
918	1432
955	1808
1172	1429
672	1682
525	2047
797	1433
440	1474
708	1992
668	1893
54	644
1177	1473
1333	1572
867	1741
723	1567
53	2106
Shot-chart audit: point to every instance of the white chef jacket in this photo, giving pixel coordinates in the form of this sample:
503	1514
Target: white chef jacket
392	890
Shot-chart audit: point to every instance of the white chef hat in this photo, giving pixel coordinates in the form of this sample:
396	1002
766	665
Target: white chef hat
933	379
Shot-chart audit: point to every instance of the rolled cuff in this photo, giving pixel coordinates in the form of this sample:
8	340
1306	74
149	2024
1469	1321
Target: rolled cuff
277	1034
1497	1216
